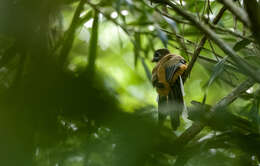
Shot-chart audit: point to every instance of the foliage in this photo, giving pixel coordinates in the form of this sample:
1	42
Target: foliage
75	82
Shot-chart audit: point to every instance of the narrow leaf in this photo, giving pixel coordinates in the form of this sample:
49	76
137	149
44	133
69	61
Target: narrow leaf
163	36
146	69
241	44
180	41
254	113
70	33
217	70
137	47
85	18
172	23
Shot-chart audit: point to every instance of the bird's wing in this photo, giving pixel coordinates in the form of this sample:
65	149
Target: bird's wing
176	98
154	75
159	77
154	78
170	72
172	66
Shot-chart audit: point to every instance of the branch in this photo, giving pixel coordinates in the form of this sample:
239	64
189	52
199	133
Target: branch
228	31
208	59
215	62
127	31
233	94
189	42
200	46
219	141
108	17
69	36
178	20
237	11
196	127
92	55
241	63
253	10
247	143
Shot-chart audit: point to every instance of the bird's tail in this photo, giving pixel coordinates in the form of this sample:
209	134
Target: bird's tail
162	102
177	103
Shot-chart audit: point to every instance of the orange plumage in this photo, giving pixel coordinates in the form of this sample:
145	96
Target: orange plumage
159	72
166	78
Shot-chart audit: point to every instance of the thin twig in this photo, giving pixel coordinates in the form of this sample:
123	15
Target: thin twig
241	63
228	31
208	59
237	11
213	50
178	20
69	35
189	42
219	141
62	39
127	31
200	46
196	127
108	17
233	94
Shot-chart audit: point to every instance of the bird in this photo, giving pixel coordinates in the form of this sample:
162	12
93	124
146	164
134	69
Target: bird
166	78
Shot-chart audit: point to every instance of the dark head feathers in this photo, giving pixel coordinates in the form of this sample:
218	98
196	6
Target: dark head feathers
158	54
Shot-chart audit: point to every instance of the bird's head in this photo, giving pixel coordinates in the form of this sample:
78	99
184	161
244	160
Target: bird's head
158	54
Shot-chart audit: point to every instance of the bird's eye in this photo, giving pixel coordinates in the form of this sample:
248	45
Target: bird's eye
156	54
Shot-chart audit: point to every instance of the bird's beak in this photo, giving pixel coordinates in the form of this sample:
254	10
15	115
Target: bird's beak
155	59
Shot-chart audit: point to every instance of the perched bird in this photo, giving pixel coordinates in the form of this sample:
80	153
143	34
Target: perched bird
166	78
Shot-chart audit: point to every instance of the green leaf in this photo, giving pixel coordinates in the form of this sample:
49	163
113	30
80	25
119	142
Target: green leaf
137	47
217	71
254	113
241	44
85	18
146	69
163	36
181	42
70	33
172	23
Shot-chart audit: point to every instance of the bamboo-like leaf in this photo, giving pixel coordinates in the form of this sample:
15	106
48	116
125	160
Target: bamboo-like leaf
137	47
172	23
241	44
209	8
217	71
163	36
146	69
85	18
70	34
181	41
254	113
